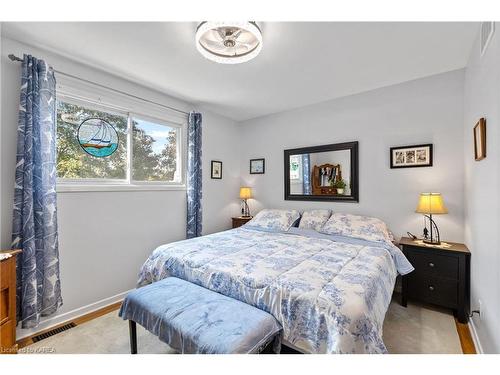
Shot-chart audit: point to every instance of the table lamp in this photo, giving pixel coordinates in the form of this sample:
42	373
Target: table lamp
245	193
431	204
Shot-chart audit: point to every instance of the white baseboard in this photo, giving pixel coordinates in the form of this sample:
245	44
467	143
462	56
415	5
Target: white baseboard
70	315
475	337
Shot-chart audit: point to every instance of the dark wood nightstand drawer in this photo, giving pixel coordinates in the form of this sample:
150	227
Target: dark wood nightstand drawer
441	275
432	264
240	220
436	290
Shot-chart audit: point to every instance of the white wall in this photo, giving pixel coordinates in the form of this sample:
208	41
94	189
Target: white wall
428	110
482	187
221	141
125	226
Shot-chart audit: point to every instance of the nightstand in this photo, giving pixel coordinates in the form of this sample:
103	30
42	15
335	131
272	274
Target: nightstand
240	220
441	276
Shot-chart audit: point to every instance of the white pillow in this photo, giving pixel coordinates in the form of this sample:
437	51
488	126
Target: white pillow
363	227
280	220
314	219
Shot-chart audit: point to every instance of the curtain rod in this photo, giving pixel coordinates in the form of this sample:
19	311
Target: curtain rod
15	58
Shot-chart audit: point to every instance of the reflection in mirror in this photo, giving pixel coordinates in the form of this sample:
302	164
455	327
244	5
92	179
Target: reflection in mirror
328	172
321	173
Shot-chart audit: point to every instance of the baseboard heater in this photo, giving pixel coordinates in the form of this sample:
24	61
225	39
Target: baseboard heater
53	332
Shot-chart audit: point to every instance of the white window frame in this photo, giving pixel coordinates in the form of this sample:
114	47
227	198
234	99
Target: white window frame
100	99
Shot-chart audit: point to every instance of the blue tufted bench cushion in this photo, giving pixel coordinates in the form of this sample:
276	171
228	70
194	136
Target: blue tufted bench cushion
193	319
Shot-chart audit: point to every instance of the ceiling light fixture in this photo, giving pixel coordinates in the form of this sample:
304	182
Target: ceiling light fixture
229	42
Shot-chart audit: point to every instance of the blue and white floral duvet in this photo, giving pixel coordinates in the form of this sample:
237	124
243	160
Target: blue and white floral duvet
329	294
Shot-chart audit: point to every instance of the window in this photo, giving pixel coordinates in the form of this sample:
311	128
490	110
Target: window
154	156
72	161
147	151
296	167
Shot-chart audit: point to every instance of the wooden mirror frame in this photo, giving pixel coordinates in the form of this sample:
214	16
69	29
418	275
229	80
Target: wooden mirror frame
354	180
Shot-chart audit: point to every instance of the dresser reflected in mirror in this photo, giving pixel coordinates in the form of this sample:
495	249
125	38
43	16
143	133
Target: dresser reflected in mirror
327	172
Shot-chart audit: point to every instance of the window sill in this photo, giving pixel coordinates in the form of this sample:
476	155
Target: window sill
75	188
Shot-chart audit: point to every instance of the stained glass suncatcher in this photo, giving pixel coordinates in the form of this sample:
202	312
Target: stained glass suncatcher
97	137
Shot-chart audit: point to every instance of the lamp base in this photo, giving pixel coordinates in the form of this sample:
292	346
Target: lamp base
246	209
433	240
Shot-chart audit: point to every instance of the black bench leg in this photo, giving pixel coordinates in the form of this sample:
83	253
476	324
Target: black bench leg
133	336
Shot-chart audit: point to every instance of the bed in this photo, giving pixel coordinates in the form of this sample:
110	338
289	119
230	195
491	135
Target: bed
330	293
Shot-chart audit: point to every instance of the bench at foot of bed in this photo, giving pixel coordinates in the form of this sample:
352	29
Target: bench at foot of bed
193	319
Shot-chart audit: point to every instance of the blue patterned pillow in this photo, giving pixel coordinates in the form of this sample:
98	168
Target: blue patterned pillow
314	219
363	227
280	220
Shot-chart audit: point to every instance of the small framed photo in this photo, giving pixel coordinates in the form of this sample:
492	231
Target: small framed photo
411	156
257	166
480	140
216	168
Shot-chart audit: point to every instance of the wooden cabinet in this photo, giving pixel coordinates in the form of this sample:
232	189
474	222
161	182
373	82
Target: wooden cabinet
8	303
240	220
322	176
441	276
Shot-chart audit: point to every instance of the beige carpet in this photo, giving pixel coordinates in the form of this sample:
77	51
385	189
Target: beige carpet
415	329
418	329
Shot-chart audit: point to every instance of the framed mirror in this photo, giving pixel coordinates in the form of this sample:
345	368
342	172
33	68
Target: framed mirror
322	173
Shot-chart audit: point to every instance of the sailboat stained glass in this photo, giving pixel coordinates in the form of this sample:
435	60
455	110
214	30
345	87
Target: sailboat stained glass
97	137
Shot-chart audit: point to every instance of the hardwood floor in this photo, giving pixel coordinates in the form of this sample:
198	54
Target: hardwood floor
465	338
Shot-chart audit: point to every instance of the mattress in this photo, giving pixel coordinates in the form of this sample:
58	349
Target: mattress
329	294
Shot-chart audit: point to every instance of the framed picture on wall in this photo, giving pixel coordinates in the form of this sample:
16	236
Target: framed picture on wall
411	156
257	166
480	140
216	170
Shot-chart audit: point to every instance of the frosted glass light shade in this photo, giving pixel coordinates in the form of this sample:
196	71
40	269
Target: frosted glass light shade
228	42
431	203
245	192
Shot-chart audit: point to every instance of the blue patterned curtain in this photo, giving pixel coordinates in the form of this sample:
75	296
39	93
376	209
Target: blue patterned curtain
306	174
34	228
194	211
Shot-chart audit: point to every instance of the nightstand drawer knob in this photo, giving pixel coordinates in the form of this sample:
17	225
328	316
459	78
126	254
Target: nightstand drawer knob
431	265
431	288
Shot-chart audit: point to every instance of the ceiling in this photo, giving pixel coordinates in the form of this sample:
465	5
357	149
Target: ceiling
301	63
